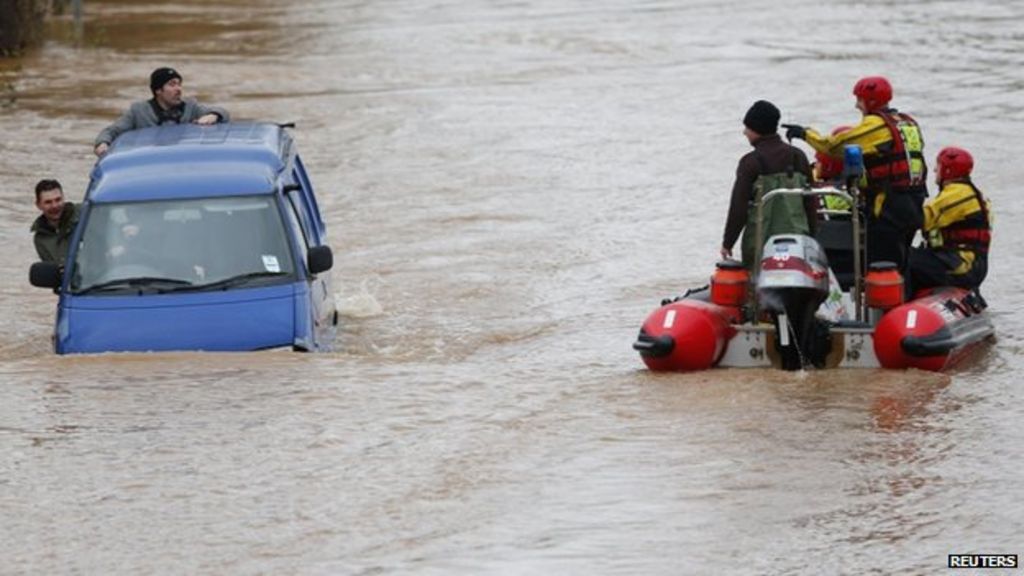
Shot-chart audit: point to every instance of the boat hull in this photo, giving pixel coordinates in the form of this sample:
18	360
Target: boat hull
933	332
685	335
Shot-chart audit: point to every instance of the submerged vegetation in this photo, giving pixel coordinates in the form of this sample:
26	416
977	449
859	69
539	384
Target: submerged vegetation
21	22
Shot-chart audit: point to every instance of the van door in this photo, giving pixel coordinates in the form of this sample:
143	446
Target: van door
320	287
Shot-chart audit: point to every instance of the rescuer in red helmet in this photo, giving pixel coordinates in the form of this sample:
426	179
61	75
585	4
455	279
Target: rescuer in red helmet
896	172
957	228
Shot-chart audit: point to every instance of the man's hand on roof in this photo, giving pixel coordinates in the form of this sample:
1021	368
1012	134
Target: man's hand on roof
208	119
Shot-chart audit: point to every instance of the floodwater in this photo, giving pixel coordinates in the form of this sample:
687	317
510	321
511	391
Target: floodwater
510	188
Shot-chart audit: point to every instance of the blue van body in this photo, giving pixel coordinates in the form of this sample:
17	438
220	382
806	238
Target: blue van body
198	238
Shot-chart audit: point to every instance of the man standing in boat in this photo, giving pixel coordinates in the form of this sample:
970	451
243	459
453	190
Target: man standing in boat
53	228
957	228
896	172
772	164
167	106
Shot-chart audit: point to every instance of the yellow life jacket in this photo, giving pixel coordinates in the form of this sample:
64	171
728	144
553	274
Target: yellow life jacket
959	219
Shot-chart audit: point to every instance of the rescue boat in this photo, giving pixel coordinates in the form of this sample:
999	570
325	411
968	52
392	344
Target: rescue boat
799	312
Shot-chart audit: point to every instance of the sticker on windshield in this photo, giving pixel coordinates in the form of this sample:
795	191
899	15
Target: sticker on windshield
270	263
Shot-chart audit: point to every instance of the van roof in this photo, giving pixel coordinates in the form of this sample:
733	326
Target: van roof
191	161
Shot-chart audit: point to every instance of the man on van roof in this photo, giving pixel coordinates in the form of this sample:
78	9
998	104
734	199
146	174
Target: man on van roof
167	106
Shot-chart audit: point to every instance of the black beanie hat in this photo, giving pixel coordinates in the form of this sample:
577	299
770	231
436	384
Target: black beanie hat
162	76
763	118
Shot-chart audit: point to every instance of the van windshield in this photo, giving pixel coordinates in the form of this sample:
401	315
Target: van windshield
182	245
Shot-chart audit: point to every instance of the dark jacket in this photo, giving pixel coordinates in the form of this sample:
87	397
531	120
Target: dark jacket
776	156
146	113
52	243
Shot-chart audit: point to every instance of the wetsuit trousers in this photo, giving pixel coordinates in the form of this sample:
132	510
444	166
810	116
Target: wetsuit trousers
890	235
932	268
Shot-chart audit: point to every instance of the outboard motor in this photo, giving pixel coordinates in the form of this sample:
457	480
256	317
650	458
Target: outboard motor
792	282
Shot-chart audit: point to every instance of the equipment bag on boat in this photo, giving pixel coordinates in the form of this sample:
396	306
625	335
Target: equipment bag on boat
782	214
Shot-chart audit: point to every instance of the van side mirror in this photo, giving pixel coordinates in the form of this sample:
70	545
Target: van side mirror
44	275
319	259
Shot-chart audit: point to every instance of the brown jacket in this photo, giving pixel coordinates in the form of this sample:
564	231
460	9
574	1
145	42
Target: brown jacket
777	156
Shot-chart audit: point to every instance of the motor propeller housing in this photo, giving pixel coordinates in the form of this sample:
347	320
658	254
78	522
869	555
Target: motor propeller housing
792	282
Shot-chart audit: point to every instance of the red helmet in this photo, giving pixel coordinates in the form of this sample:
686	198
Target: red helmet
829	167
954	163
875	91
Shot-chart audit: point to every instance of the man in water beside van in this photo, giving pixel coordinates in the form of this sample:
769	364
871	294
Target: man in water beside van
53	228
167	106
772	164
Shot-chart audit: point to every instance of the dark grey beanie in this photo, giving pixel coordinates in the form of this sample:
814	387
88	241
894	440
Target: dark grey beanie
763	118
162	76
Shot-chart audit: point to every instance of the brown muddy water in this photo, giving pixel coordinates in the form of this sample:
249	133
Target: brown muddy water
510	187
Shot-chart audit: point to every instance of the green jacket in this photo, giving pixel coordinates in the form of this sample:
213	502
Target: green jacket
52	244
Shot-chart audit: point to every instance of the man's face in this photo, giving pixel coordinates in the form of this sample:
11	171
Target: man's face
51	204
169	95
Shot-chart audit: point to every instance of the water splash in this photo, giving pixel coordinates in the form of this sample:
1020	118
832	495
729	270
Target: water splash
362	304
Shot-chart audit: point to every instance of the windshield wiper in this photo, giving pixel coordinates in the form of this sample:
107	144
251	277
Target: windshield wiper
228	282
135	282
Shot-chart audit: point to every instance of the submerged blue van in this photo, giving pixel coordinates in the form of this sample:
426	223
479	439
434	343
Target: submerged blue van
196	238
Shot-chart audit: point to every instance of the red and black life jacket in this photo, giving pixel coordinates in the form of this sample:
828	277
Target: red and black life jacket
899	165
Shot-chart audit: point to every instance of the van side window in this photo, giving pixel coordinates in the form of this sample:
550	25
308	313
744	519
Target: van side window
297	205
299	173
295	228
